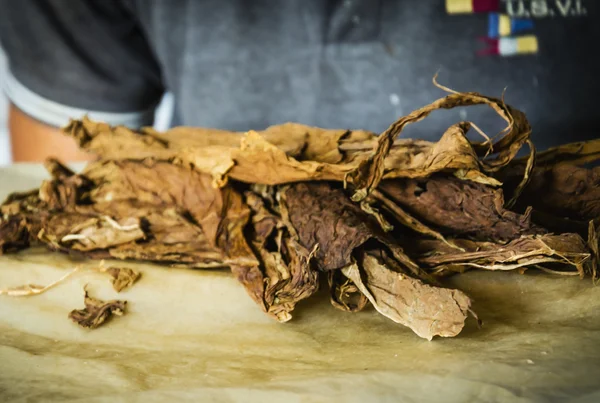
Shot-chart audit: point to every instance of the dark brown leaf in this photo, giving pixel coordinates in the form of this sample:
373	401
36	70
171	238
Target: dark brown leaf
563	190
460	208
96	312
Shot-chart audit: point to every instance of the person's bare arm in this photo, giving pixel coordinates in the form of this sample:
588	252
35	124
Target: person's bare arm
33	141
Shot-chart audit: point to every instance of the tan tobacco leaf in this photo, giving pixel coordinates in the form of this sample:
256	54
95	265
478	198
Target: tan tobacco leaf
429	311
122	277
344	294
370	172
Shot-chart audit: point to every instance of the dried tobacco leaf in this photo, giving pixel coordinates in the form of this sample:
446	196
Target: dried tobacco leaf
14	235
296	140
172	239
289	278
57	170
220	213
114	142
20	203
96	312
323	215
85	233
122	277
287	271
404	218
568	250
170	236
563	190
268	157
65	189
429	311
578	154
460	208
344	294
370	172
259	161
526	177
182	197
452	153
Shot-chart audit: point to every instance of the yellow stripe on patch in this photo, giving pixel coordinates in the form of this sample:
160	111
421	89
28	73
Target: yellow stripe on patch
527	44
504	25
459	6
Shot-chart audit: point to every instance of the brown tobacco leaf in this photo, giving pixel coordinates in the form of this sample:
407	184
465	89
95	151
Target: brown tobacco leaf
286	266
453	153
459	208
115	142
568	250
526	177
57	170
404	218
78	233
65	189
289	278
286	153
221	213
14	235
122	277
344	294
173	239
20	202
370	172
217	211
96	312
296	140
259	161
22	216
170	236
578	153
563	190
429	311
323	215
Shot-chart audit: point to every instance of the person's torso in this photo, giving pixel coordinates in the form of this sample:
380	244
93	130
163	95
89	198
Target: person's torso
243	65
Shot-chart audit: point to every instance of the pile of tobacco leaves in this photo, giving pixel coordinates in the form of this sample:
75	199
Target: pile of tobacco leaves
380	220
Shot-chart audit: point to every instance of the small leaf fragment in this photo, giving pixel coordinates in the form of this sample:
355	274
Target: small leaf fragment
96	312
122	277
